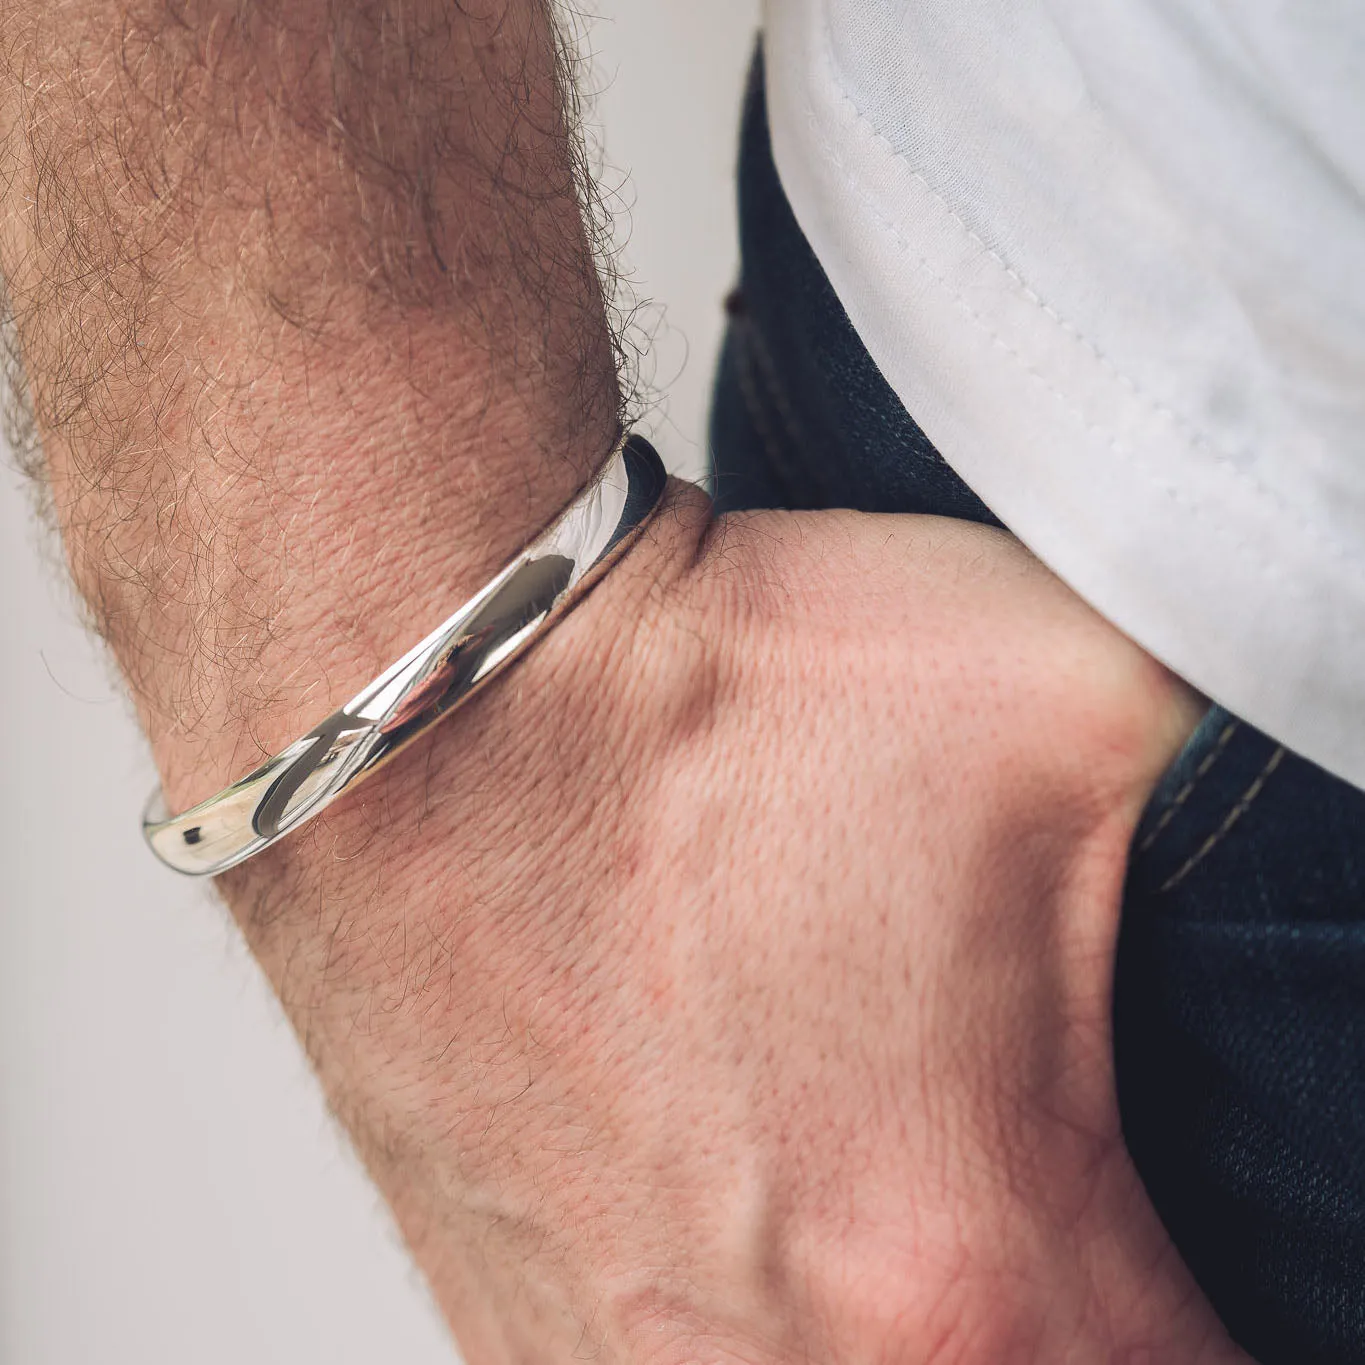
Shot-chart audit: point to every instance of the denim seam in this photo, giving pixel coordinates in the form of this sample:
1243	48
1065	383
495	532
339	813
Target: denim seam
1233	816
1209	760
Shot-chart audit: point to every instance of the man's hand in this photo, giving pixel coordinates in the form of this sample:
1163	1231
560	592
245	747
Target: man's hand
730	980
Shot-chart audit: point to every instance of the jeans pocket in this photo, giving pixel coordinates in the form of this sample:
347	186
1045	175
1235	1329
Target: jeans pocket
1239	1026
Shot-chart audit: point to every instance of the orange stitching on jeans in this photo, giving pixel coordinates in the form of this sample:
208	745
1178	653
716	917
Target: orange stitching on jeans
1173	809
1234	815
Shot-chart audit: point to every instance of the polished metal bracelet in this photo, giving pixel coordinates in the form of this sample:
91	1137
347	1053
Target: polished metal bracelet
463	653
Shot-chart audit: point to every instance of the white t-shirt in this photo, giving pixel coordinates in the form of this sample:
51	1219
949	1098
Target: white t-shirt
1111	256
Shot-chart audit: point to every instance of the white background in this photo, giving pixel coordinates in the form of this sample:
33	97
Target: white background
172	1191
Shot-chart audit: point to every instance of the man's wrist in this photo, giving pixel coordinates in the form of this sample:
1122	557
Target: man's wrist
342	579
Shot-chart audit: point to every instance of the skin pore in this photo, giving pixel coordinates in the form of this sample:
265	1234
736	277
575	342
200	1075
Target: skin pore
731	980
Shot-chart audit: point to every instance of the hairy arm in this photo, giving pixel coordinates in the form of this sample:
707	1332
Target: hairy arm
310	338
311	327
731	980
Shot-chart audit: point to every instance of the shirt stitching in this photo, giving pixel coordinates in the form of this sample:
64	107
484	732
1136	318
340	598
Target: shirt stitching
1265	568
1189	432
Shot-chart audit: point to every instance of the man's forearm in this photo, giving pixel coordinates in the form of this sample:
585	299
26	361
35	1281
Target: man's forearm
311	332
313	340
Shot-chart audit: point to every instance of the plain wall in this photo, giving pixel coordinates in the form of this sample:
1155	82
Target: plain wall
172	1190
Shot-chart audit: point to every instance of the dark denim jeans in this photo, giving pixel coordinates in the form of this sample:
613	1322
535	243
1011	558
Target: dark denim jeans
1240	993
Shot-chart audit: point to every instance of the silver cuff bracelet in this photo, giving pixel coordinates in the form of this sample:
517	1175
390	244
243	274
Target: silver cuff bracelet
463	653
